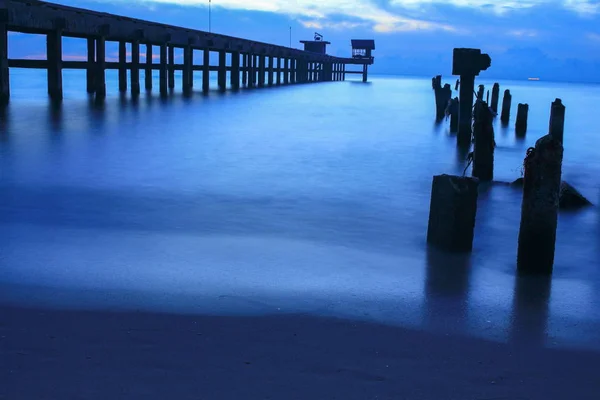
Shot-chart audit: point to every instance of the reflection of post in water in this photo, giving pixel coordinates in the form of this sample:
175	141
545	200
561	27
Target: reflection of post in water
530	310
55	117
446	288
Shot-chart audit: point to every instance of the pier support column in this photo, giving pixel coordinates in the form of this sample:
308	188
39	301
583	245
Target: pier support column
521	123
206	71
54	57
171	49
452	213
261	70
506	102
495	97
222	74
135	68
163	72
91	65
270	71
286	71
245	69
343	72
293	70
100	75
235	70
4	70
483	154
251	70
365	73
122	66
188	61
149	62
539	208
278	80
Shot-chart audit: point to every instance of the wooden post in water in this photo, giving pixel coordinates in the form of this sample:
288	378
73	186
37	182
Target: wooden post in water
293	70
454	107
278	78
206	70
261	70
480	92
171	78
495	97
270	71
222	74
483	131
135	68
365	73
54	57
4	69
506	102
539	208
148	71
452	213
286	71
122	66
163	72
343	72
244	69
187	75
91	65
235	70
100	75
557	120
251	70
521	123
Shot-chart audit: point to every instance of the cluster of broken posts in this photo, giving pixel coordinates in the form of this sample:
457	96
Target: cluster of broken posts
454	198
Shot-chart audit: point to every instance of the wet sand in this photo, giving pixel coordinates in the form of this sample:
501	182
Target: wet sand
52	354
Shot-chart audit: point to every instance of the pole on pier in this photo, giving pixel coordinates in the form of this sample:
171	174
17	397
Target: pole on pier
122	66
163	71
495	97
135	68
100	75
171	49
483	131
188	76
244	69
91	64
261	70
235	70
270	73
539	208
506	101
206	70
4	69
148	71
54	57
452	212
365	72
222	74
557	120
521	123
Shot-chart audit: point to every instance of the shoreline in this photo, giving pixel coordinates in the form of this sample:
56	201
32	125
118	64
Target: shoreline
56	354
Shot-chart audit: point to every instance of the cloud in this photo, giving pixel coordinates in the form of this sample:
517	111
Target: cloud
522	33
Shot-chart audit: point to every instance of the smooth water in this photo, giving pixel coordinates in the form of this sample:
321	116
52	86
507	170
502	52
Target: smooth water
297	199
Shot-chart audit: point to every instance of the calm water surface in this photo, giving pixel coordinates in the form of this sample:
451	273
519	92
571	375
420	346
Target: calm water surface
310	199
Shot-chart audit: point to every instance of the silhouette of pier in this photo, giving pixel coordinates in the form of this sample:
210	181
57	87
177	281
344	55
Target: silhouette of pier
251	63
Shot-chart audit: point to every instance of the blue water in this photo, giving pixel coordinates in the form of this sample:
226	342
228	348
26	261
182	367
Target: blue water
297	199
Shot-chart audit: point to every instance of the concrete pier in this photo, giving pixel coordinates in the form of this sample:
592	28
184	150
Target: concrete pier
521	122
452	213
188	72
235	70
100	74
539	208
270	71
506	103
261	70
171	75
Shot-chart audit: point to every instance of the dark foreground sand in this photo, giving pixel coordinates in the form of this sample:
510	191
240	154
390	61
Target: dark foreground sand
102	355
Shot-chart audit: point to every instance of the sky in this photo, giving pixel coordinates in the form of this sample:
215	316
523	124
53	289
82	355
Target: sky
551	39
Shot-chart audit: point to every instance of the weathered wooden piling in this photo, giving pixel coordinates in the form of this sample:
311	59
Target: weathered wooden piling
235	70
91	65
365	74
122	66
480	92
539	208
521	123
452	212
54	56
171	75
222	74
454	107
557	120
4	69
135	68
163	71
205	70
495	97
100	75
148	71
442	97
506	103
483	131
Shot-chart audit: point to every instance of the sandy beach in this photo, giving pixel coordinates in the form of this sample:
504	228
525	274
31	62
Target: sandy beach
53	354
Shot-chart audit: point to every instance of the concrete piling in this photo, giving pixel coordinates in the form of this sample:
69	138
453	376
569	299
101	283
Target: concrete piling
54	57
251	70
122	66
539	207
286	71
206	70
452	213
235	70
495	97
244	69
557	120
135	68
4	69
506	103
261	70
163	72
278	79
521	123
148	71
293	70
483	131
171	78
187	74
91	65
222	74
270	71
100	75
365	73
